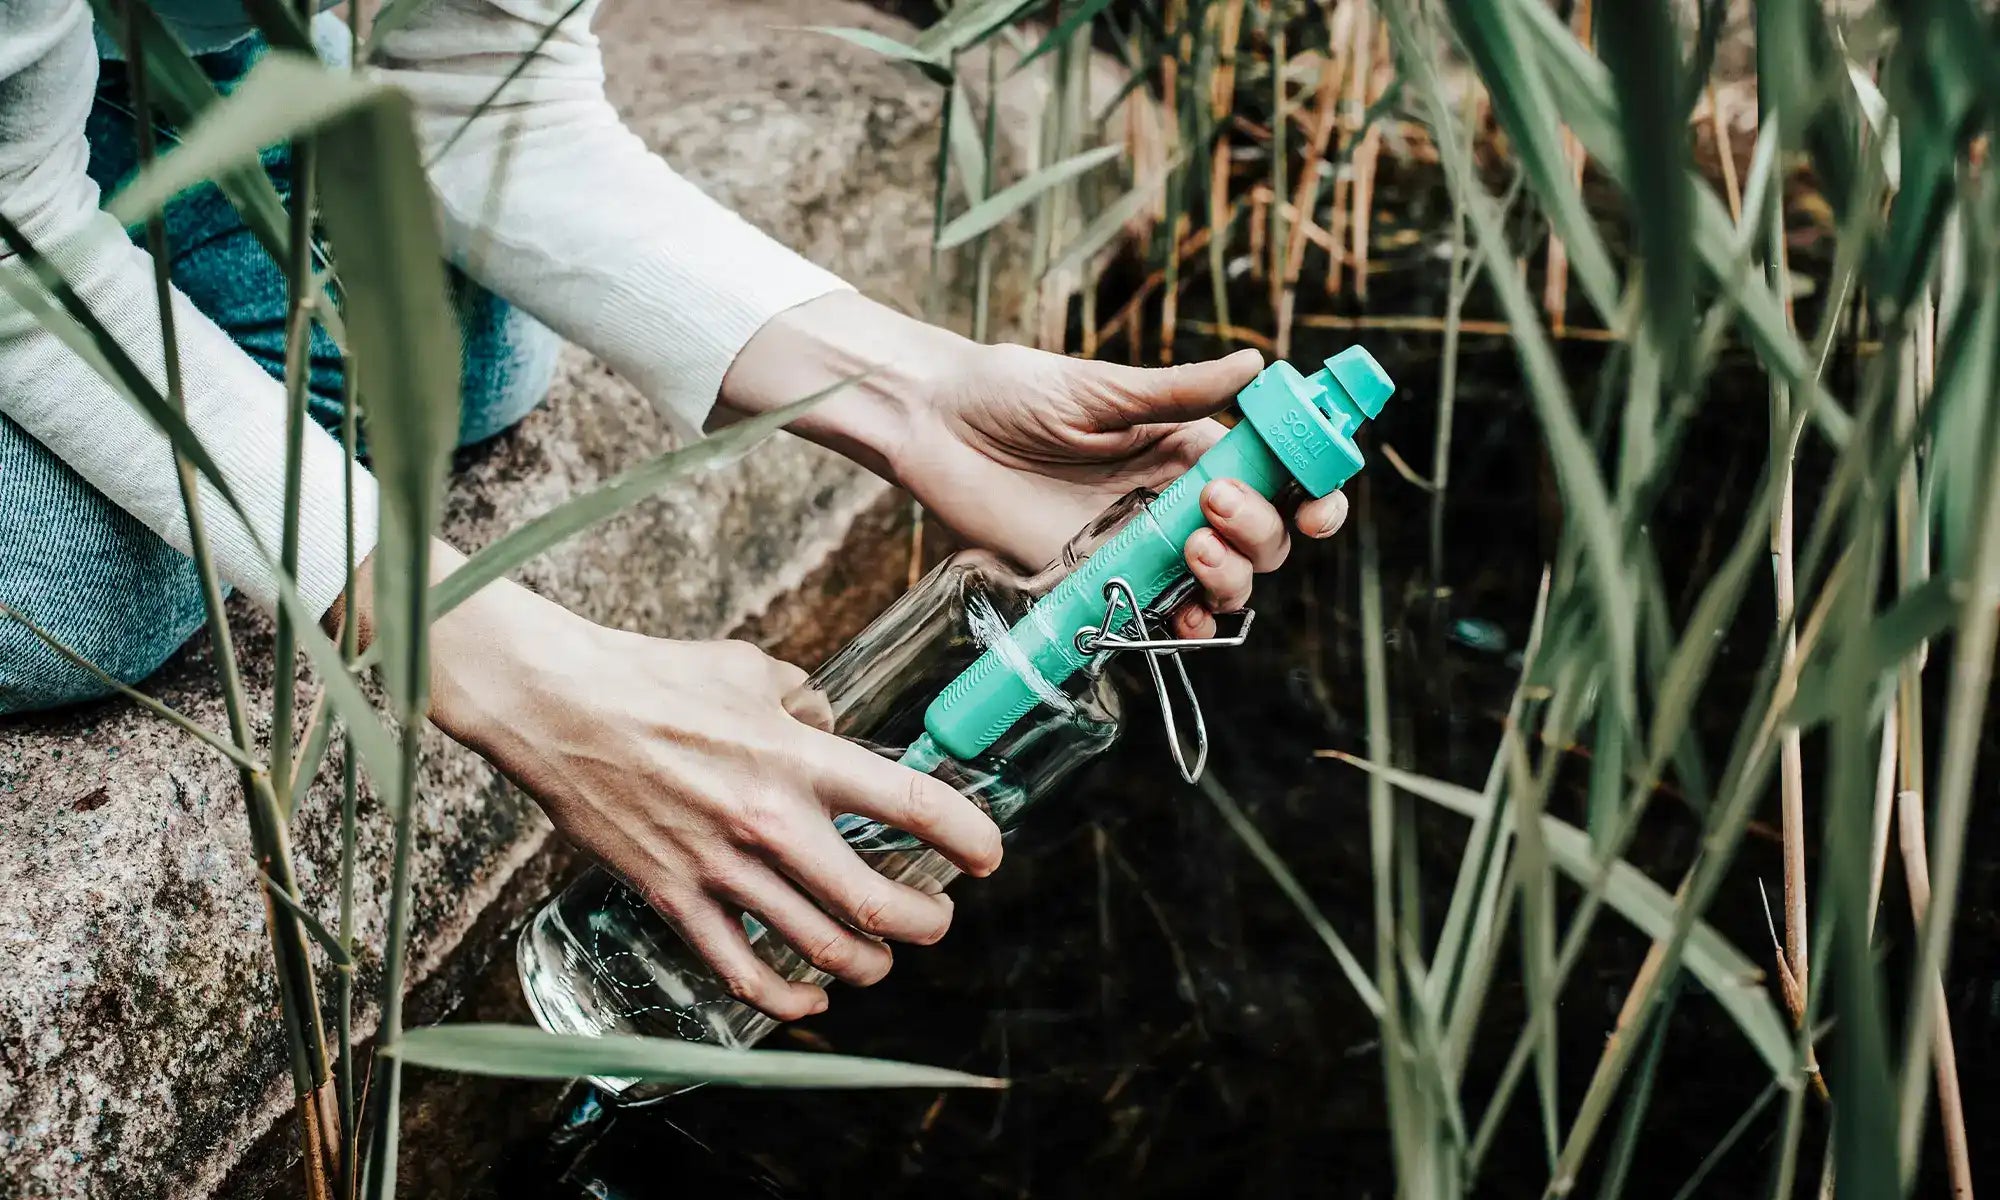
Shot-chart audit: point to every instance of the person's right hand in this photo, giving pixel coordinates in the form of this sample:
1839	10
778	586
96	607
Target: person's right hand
700	774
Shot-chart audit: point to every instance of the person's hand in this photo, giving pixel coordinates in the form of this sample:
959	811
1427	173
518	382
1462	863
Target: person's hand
1016	449
701	775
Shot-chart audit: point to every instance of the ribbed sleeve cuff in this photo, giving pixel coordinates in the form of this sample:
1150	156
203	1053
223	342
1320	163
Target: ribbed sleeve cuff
673	323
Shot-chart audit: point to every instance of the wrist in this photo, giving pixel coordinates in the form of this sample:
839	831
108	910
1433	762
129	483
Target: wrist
902	364
486	657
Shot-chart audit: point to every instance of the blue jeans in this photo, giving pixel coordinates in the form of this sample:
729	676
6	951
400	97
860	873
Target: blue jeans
90	574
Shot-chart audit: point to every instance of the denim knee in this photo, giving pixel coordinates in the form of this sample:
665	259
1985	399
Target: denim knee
88	574
509	362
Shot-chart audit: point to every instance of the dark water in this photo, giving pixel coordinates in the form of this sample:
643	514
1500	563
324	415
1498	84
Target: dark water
1170	1025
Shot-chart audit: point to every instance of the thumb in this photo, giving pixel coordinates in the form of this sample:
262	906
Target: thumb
1185	392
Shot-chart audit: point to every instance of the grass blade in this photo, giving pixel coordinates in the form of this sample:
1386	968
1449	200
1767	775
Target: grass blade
1015	197
1581	88
284	96
1575	462
57	308
1288	883
524	1052
1725	971
970	23
933	66
1522	102
1640	46
1083	14
377	206
182	90
336	952
189	725
405	369
1110	222
575	515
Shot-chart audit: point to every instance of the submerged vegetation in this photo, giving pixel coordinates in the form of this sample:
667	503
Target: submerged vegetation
1253	134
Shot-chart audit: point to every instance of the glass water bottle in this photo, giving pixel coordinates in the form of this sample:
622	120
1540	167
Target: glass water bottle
597	959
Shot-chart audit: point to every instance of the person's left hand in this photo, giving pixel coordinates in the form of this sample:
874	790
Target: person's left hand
1017	449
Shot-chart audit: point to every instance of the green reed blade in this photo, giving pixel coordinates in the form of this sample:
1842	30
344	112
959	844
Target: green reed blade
1110	222
1640	46
521	63
1864	1100
524	1052
379	214
1581	89
181	90
284	96
1288	883
335	952
1893	634
573	516
378	211
968	152
1576	468
1727	1142
202	733
935	67
1522	101
68	319
1016	196
1632	1122
1080	16
1729	975
970	23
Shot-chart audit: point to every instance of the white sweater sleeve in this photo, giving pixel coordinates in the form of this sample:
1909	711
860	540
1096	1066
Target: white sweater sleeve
553	204
48	73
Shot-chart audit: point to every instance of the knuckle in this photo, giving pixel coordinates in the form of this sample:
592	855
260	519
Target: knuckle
872	913
751	989
833	952
665	901
727	878
918	800
743	656
753	818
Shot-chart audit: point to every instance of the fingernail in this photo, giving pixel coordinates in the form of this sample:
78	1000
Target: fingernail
1226	497
1337	512
819	1006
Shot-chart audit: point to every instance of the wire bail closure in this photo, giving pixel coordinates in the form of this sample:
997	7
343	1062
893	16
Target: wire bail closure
1123	618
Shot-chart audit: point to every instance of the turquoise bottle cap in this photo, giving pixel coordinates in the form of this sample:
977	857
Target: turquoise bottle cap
1309	421
1362	378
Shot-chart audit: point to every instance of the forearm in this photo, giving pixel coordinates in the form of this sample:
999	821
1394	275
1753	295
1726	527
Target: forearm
552	203
893	362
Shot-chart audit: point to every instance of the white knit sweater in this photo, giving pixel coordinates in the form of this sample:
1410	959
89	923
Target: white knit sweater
593	234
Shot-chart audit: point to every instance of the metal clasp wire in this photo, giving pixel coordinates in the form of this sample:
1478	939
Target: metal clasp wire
1122	612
